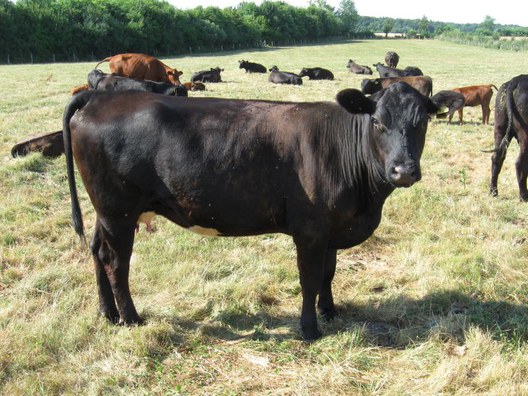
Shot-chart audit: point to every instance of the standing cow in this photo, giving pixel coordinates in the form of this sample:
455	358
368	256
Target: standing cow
142	66
511	120
475	95
392	59
451	100
319	172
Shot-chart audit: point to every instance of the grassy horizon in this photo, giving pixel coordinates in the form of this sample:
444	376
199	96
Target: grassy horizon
434	303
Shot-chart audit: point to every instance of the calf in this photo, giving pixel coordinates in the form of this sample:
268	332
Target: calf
424	84
212	75
451	100
252	67
358	69
319	172
475	95
49	144
511	120
280	77
142	66
316	73
98	80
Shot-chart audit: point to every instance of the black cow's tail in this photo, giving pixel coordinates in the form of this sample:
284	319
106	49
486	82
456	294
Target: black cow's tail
77	102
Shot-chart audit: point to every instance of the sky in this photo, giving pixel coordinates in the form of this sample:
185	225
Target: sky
458	11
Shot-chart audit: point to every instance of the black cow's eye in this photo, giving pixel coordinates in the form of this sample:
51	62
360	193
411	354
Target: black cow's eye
378	125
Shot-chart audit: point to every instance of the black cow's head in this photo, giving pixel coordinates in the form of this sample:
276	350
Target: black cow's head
399	121
369	86
304	72
94	77
274	68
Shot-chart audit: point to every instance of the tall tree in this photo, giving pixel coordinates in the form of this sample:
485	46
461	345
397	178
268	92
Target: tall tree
388	25
348	15
488	25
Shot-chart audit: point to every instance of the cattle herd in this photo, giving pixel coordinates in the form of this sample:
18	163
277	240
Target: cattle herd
319	172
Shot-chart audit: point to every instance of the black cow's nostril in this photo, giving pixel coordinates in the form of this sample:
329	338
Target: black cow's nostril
404	176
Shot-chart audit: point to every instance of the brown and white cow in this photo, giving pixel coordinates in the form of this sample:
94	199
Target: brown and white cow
142	66
319	172
475	95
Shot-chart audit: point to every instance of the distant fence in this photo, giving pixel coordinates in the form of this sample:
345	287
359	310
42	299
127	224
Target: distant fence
31	58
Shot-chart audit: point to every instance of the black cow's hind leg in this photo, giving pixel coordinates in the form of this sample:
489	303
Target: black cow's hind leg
310	260
326	301
114	252
107	306
497	159
521	166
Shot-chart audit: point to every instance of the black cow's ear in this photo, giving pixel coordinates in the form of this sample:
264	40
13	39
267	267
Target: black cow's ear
355	102
431	107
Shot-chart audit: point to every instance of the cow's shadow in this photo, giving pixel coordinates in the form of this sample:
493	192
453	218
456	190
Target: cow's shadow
387	322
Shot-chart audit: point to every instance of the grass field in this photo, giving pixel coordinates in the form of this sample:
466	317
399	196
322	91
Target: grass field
434	303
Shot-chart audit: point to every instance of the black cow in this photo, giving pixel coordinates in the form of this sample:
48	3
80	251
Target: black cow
358	69
385	71
424	84
252	67
319	172
281	77
412	71
316	73
511	120
451	100
392	59
211	75
110	82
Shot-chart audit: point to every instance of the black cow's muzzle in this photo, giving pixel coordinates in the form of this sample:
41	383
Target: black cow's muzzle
405	175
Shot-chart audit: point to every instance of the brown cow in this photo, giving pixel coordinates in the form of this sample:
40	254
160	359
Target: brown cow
475	95
423	84
142	66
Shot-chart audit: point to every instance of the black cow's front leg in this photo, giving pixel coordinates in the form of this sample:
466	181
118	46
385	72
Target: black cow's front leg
326	300
310	261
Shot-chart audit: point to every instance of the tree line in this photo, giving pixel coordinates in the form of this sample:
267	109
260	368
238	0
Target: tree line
68	30
71	30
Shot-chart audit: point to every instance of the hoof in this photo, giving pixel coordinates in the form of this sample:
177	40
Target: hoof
328	314
311	335
110	315
131	322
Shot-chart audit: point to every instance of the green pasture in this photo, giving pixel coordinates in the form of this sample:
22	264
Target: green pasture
434	303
